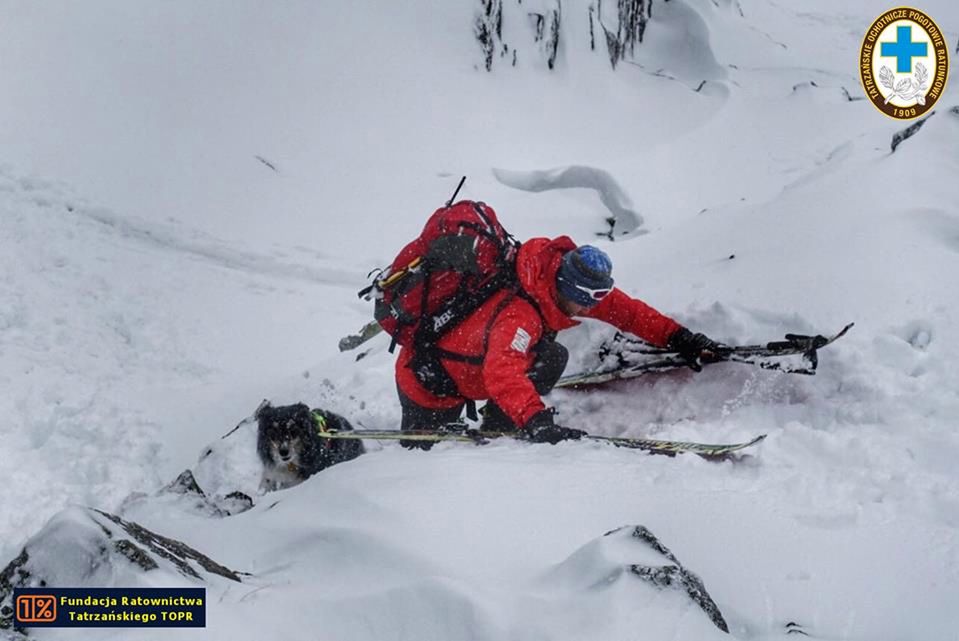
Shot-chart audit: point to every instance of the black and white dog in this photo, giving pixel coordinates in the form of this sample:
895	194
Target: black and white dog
290	448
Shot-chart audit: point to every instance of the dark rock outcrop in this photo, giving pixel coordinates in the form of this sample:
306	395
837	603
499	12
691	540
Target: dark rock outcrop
488	29
632	17
546	32
186	487
674	576
909	131
623	23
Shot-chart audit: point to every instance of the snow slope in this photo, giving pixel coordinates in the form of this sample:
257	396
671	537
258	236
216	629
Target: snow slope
177	280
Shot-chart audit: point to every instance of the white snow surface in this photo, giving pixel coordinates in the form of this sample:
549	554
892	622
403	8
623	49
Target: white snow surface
158	280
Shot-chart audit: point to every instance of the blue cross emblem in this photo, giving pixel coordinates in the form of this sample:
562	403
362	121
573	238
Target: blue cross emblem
903	49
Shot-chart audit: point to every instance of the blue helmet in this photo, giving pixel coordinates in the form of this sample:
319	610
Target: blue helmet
585	276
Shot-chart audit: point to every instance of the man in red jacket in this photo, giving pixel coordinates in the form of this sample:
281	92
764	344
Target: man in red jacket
506	351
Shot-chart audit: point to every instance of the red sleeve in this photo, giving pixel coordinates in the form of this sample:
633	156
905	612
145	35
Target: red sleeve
634	316
508	357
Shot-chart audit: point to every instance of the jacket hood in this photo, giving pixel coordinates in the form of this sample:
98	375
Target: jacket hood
536	266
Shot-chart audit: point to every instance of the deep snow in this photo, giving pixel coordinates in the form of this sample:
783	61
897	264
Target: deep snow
160	280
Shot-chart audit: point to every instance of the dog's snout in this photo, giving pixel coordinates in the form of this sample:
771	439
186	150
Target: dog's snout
284	452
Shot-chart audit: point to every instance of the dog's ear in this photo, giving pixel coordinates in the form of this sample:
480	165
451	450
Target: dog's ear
303	414
262	408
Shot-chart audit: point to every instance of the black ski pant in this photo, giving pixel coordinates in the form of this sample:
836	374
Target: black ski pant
548	365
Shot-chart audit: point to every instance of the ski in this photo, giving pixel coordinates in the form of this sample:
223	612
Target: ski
628	350
671	448
653	446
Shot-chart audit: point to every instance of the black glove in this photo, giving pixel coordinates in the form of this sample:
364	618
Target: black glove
690	346
541	429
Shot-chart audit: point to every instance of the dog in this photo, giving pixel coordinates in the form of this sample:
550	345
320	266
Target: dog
290	448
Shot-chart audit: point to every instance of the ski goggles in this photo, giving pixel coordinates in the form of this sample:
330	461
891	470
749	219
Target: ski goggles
595	294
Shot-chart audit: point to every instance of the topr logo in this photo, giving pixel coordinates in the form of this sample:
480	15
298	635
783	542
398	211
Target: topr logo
904	63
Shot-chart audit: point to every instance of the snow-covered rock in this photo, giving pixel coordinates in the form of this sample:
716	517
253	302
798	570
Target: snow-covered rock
85	547
634	553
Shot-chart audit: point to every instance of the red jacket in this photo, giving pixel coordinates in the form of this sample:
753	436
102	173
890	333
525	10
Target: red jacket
515	331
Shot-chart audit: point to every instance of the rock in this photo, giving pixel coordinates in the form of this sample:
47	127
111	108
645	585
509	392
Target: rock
674	576
633	16
184	484
909	131
234	503
634	551
488	30
186	488
87	547
546	32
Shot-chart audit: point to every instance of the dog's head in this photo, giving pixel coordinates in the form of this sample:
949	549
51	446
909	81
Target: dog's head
284	432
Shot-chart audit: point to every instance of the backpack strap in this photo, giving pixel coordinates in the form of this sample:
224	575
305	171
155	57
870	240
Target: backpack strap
435	326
